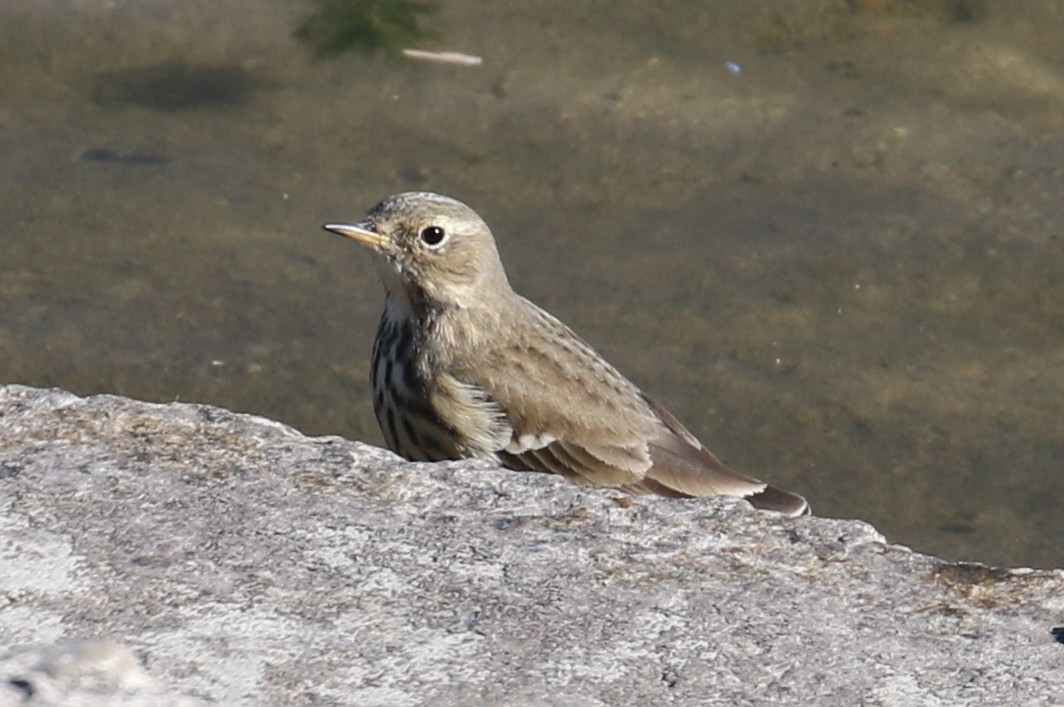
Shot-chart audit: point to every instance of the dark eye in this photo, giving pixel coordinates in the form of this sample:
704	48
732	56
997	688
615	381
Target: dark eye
432	235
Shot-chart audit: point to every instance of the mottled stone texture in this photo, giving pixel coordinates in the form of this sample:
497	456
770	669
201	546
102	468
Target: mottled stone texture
177	554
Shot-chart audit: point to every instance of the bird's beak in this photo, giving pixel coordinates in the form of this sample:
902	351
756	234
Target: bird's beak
357	232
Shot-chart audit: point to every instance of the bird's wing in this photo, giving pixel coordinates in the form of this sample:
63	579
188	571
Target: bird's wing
571	413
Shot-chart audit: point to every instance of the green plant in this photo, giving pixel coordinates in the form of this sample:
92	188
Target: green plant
367	25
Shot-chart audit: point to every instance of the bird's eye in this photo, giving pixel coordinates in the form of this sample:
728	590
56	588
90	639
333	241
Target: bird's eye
432	235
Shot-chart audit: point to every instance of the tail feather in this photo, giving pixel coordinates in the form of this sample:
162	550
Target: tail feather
785	502
682	465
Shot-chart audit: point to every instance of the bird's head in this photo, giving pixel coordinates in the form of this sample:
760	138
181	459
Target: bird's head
432	248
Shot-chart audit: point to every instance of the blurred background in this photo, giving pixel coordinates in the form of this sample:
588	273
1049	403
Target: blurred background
827	234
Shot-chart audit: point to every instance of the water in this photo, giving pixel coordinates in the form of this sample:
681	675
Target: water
839	265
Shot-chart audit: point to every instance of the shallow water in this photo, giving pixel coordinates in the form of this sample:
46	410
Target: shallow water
827	235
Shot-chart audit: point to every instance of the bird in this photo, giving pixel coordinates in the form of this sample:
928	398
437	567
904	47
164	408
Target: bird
465	367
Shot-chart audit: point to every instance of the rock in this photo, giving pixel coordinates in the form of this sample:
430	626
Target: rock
86	673
247	564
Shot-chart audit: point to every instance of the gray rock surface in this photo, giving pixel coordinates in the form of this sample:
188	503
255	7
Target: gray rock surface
243	563
89	673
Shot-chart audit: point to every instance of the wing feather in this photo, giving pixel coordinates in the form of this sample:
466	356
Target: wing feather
571	413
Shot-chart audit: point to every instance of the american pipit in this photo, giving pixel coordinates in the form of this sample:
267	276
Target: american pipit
464	367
